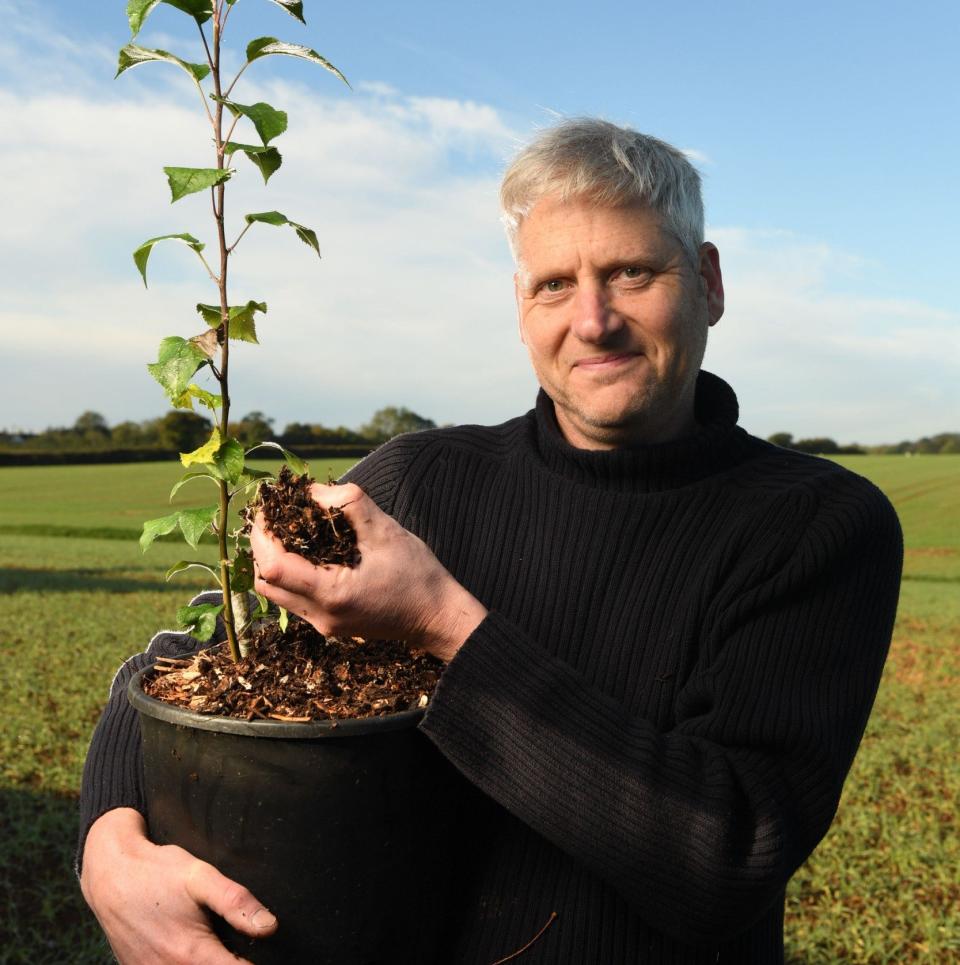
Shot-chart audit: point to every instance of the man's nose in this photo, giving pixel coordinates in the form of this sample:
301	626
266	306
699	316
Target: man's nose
594	317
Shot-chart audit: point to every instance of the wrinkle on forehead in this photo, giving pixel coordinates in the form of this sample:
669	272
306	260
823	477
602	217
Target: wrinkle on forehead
566	235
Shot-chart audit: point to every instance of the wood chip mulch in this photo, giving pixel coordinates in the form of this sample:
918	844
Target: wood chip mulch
299	676
303	526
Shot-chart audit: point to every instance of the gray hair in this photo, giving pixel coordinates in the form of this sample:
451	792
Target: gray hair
594	160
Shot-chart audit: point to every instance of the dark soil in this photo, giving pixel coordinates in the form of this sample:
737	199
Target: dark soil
298	675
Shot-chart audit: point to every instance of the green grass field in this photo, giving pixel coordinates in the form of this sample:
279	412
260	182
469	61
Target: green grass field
78	597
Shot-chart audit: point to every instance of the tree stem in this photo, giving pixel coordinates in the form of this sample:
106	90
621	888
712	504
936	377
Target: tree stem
223	515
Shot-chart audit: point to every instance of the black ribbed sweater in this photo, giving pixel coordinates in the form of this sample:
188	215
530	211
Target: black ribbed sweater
657	716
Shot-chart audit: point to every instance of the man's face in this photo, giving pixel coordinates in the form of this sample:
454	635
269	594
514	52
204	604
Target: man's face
615	319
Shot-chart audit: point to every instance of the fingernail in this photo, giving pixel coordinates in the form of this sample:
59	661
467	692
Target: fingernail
262	918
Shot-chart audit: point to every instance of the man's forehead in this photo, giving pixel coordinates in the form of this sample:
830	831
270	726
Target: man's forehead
555	231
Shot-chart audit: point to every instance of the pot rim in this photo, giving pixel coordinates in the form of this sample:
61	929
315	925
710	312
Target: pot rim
275	729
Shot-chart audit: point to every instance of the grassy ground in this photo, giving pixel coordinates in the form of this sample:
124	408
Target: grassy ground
78	597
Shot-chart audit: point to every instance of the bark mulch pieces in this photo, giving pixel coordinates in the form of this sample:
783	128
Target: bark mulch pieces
302	526
298	675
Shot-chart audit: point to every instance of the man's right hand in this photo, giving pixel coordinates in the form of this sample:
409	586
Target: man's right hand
151	900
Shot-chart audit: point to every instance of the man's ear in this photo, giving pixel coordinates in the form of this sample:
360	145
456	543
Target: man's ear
516	298
712	280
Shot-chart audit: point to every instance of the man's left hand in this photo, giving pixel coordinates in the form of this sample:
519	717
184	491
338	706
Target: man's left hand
398	591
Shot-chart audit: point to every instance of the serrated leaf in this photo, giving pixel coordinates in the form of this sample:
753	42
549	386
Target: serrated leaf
195	522
184	181
268	121
177	362
241	578
182	565
228	462
307	235
293	7
241	317
291	459
267	46
283	619
267	159
187	477
201	620
205	454
132	56
153	528
142	254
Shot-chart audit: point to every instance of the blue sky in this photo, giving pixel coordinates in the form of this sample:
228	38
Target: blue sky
827	135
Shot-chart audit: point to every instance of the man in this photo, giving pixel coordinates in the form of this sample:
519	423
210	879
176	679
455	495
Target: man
663	636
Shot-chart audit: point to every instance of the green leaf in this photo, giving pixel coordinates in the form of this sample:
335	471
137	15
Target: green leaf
195	522
250	477
200	621
153	528
184	181
241	579
186	565
137	13
265	46
133	56
228	462
268	121
193	391
307	235
200	10
176	364
293	7
205	454
241	317
141	255
186	477
290	458
267	159
283	620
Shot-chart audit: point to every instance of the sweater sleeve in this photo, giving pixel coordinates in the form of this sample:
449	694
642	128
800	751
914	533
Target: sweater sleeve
700	826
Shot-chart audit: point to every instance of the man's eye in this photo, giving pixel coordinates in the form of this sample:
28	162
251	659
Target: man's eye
553	287
633	273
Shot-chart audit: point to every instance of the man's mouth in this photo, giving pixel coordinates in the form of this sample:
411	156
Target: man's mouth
598	363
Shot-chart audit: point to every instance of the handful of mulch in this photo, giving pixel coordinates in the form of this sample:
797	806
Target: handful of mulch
304	527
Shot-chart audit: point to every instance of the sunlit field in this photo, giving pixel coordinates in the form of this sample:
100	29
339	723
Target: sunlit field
78	597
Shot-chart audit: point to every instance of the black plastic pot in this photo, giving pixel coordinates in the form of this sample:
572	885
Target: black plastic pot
340	829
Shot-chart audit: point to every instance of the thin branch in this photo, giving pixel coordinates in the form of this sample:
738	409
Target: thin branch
206	107
239	236
232	126
213	277
206	46
226	16
235	79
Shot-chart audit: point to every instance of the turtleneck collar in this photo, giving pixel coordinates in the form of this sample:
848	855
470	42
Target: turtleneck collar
716	444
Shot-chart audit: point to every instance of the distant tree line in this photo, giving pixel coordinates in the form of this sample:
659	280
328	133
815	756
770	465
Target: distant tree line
941	443
183	431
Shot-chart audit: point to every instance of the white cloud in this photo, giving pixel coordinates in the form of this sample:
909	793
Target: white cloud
412	302
814	360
